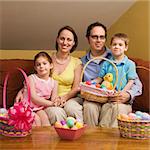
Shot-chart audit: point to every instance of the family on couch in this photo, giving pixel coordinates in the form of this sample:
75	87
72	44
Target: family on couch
66	71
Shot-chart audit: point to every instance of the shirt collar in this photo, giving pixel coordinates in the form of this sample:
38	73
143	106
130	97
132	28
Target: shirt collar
123	61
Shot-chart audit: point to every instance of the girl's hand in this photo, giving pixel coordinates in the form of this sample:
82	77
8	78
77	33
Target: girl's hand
63	101
56	101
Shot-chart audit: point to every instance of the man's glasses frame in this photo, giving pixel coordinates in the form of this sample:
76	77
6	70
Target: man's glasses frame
96	37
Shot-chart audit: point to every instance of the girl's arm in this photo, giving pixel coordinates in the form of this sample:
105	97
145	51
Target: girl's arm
19	96
35	98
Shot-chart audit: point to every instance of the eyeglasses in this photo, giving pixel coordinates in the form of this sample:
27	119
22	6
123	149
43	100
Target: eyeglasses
96	37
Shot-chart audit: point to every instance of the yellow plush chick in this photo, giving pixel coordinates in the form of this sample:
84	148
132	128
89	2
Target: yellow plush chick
107	83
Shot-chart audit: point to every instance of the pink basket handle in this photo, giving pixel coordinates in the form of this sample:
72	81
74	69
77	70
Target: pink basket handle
5	85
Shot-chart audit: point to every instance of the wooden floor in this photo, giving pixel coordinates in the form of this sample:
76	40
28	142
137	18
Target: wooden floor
46	138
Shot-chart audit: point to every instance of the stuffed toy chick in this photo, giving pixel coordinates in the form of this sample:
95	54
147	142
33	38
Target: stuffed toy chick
107	83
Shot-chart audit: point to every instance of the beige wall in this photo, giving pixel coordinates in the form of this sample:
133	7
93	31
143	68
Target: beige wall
135	22
29	54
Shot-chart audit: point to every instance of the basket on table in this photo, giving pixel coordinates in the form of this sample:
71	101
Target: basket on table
17	120
92	93
134	128
70	134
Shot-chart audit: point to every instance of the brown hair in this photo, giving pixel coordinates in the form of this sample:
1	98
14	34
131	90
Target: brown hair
122	36
43	54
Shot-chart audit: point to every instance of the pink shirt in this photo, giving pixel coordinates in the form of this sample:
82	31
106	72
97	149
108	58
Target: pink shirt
43	89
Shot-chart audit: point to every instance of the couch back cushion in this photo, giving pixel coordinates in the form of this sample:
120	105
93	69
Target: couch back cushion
15	81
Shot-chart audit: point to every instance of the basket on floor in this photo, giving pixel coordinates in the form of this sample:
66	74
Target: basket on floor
92	93
136	129
17	120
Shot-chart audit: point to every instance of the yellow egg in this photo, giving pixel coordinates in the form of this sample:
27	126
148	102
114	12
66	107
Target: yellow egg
79	125
58	124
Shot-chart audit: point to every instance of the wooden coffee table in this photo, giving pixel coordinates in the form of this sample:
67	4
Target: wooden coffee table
93	139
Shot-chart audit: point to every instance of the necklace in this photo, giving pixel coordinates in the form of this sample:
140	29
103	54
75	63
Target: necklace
60	62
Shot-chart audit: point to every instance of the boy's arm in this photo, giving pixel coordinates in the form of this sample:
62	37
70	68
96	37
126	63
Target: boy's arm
128	85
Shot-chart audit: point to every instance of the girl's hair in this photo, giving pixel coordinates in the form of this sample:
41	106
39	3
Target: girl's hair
121	36
95	24
74	35
43	54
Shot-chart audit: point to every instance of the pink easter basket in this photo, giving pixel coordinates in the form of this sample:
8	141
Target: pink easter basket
18	120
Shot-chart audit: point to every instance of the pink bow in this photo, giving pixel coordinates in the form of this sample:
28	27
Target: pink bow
21	116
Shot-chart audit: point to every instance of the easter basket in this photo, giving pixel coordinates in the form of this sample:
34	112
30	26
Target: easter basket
134	128
17	120
91	92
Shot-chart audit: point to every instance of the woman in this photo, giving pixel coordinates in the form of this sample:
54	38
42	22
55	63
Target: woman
66	71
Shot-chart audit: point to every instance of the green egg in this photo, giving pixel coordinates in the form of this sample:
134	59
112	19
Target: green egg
70	123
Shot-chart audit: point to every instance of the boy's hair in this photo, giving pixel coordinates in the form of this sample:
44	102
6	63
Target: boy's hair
122	36
74	35
43	54
95	24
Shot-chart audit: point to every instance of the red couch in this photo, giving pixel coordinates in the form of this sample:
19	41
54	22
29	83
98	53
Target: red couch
15	81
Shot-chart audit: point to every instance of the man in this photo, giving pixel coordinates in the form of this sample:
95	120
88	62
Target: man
96	35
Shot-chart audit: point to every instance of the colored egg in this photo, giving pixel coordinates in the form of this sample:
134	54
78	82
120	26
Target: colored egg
65	126
124	116
70	123
71	118
79	125
98	85
88	82
58	124
139	113
63	122
132	116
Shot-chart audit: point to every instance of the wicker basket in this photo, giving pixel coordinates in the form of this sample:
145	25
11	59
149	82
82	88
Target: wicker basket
91	93
70	134
136	129
19	119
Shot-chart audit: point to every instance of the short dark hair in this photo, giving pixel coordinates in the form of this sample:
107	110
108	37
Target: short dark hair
95	24
74	35
42	54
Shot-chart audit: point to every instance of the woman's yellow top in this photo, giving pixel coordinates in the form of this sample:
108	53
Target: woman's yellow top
66	78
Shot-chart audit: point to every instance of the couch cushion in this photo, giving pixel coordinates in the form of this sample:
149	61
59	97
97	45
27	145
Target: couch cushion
15	82
142	102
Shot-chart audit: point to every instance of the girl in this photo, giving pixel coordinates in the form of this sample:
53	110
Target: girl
43	88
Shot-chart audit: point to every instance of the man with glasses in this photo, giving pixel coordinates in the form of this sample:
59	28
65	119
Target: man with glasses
96	35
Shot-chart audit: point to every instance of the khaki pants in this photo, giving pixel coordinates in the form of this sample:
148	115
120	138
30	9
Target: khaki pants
73	108
109	113
91	113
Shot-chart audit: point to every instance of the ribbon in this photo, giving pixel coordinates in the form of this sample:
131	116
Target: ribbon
21	116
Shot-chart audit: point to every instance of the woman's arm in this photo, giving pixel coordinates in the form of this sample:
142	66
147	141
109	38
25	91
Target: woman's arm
75	87
35	98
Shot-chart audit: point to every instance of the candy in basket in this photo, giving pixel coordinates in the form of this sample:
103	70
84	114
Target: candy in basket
96	92
17	120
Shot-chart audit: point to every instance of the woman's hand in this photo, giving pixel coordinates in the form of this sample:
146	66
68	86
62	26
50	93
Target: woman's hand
121	97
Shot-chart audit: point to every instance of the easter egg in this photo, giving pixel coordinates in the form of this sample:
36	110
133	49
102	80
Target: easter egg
98	85
145	116
65	126
74	128
63	122
70	123
132	116
71	118
124	116
58	124
88	82
139	113
79	125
